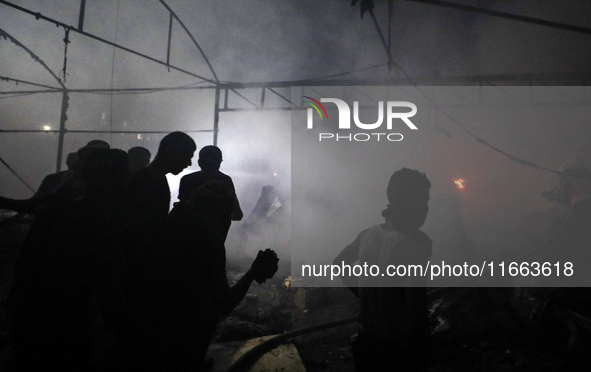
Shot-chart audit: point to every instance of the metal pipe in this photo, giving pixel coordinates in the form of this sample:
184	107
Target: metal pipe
169	39
216	116
81	16
101	131
5	78
246	360
282	97
62	130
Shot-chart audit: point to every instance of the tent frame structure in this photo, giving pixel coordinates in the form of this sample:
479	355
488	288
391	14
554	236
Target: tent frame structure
224	92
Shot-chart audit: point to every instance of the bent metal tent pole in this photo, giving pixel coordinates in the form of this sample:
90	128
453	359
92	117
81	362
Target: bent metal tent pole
92	36
65	98
192	38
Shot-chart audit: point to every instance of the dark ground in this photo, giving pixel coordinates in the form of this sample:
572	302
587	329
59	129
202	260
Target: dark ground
473	329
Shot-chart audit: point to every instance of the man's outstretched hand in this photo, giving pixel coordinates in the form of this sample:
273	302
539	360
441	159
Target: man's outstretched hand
265	265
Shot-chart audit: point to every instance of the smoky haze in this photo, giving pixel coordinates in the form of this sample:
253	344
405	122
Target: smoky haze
339	187
274	41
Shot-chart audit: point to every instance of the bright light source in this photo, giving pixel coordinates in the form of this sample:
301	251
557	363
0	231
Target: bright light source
460	183
275	174
46	127
139	136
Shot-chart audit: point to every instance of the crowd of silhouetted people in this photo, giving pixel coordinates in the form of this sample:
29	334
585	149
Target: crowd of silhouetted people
105	263
109	280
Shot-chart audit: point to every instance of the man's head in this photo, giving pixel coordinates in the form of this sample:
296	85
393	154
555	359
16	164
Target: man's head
139	158
176	150
210	158
105	173
83	153
408	195
98	144
72	160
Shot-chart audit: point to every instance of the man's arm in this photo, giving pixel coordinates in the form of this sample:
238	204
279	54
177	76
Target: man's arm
25	206
233	295
236	210
263	267
183	188
349	256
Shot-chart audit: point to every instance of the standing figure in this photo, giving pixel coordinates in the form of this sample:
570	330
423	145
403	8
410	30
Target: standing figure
394	321
210	159
149	188
145	233
52	182
67	270
199	287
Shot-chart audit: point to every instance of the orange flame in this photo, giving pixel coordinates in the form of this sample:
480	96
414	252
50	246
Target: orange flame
460	183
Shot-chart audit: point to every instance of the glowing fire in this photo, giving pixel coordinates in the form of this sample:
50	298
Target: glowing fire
460	183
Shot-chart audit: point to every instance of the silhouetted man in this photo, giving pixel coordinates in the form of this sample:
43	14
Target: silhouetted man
67	269
149	189
145	245
52	182
210	159
199	289
394	320
71	185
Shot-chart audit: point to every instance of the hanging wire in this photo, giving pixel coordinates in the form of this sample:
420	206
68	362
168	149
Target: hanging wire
348	72
296	82
390	62
192	86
